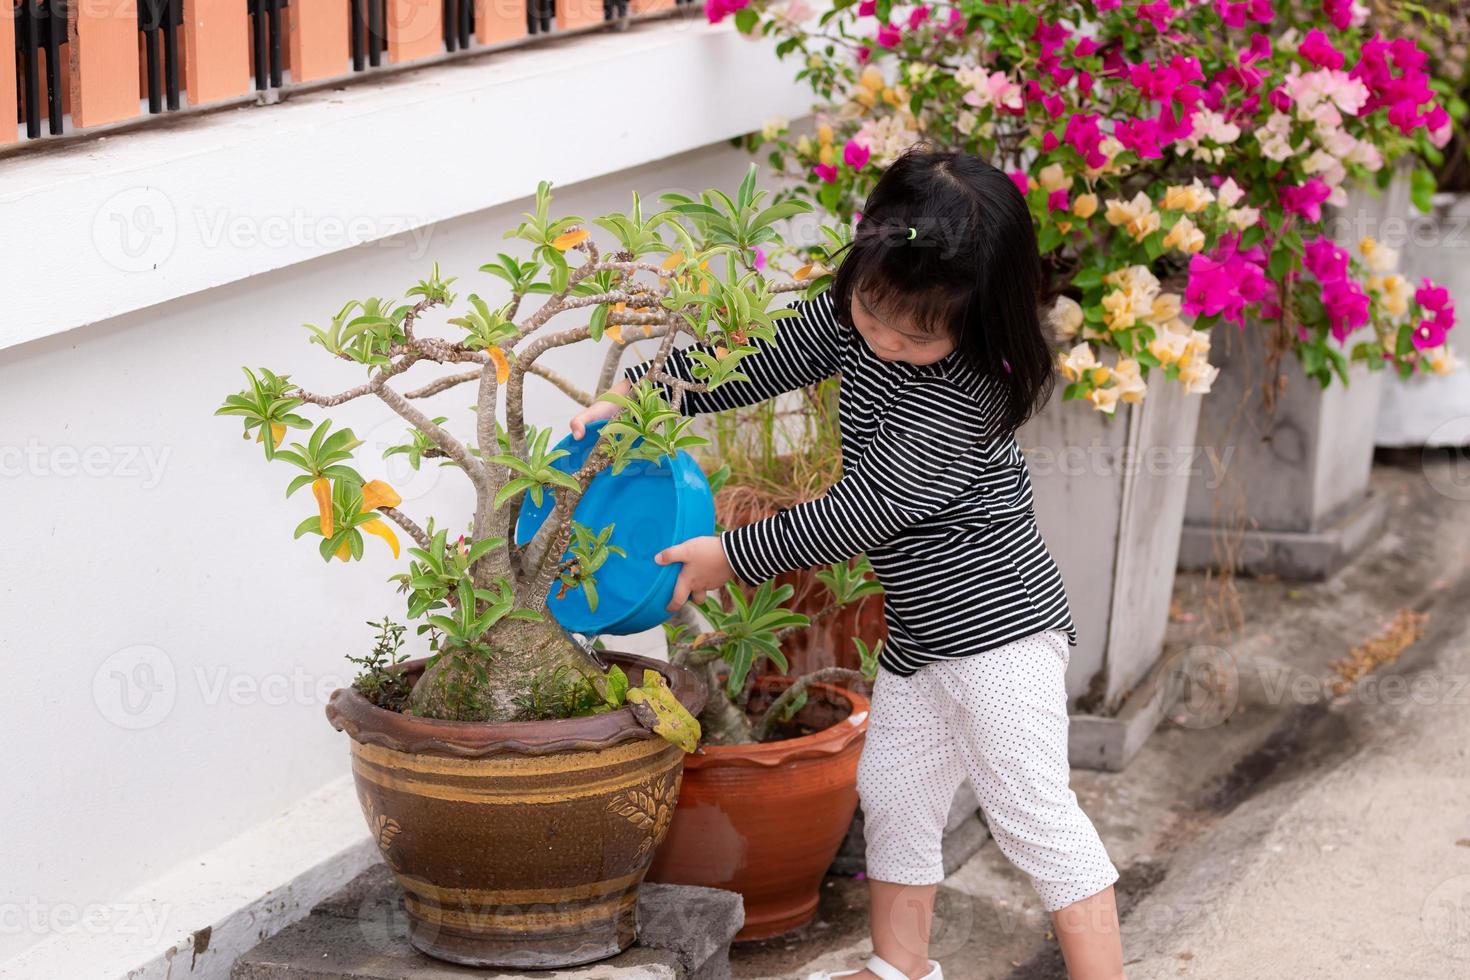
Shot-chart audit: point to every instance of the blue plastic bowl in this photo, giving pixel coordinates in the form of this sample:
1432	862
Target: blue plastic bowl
651	506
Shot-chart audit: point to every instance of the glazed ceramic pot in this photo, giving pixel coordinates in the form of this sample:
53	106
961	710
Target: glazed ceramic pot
518	844
766	820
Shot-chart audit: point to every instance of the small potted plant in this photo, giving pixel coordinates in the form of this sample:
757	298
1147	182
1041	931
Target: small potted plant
517	781
771	795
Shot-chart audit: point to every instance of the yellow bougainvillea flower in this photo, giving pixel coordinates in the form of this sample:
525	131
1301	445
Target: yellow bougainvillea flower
567	239
1085	206
502	366
824	134
321	489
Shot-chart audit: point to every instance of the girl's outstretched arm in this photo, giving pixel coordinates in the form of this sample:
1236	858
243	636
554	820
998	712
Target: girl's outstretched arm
929	448
804	353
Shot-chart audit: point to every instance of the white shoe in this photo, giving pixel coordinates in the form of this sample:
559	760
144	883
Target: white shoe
881	968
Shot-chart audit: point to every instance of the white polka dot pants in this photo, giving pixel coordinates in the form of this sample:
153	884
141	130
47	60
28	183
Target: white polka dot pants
1000	718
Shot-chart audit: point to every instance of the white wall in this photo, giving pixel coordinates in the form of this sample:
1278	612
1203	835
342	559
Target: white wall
168	646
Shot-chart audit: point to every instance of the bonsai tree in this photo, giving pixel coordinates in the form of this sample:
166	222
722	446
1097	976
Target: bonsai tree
1176	157
478	597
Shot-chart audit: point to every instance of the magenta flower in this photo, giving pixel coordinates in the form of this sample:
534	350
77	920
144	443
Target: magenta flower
1340	12
917	16
1306	199
1057	200
1022	182
888	36
717	10
867	8
1235	12
1049	141
1317	49
1141	136
826	171
1427	334
1103	6
1084	48
855	155
1086	138
758	259
1226	282
1159	13
1343	298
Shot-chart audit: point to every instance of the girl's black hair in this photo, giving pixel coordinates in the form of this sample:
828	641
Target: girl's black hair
971	269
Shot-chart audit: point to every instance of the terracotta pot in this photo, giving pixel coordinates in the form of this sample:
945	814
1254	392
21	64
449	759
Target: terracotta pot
520	844
766	820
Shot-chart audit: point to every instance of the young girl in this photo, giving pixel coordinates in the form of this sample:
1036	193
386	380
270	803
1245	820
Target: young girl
932	322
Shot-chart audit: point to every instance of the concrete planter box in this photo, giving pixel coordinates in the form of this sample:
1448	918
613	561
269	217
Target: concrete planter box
1289	494
1110	498
1433	410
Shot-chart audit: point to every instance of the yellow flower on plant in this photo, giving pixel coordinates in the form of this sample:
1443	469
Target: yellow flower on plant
1198	374
1193	197
824	134
1052	178
1104	399
827	155
872	79
1065	317
1442	360
1185	237
1085	206
1137	216
1393	293
1078	361
1128	379
1118	310
1380	258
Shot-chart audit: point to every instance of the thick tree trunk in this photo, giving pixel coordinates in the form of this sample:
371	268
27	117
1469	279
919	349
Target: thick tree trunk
464	685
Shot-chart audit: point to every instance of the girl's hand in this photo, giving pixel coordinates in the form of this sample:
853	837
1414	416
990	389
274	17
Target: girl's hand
705	568
598	410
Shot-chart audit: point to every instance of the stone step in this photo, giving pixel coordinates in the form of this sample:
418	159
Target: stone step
361	933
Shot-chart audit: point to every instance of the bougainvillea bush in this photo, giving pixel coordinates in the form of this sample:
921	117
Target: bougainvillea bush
1182	159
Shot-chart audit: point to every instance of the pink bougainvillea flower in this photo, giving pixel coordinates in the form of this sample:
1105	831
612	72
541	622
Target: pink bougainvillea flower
855	155
957	21
1345	13
888	36
863	54
1159	13
1141	136
717	10
1084	136
1103	6
1235	12
1427	334
1434	297
758	258
917	16
1344	300
826	171
1022	182
1084	48
1441	127
1225	282
1049	141
867	8
1317	49
1057	200
1305	199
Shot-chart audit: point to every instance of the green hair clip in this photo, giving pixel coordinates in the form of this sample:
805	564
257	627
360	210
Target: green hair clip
913	233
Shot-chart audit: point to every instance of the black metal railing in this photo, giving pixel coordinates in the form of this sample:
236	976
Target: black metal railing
161	22
40	26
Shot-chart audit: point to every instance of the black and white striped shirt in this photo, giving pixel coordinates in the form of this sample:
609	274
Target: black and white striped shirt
938	499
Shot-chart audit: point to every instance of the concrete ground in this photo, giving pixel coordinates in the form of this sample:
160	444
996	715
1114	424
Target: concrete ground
1272	827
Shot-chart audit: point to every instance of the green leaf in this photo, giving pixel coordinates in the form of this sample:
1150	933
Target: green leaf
1421	189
